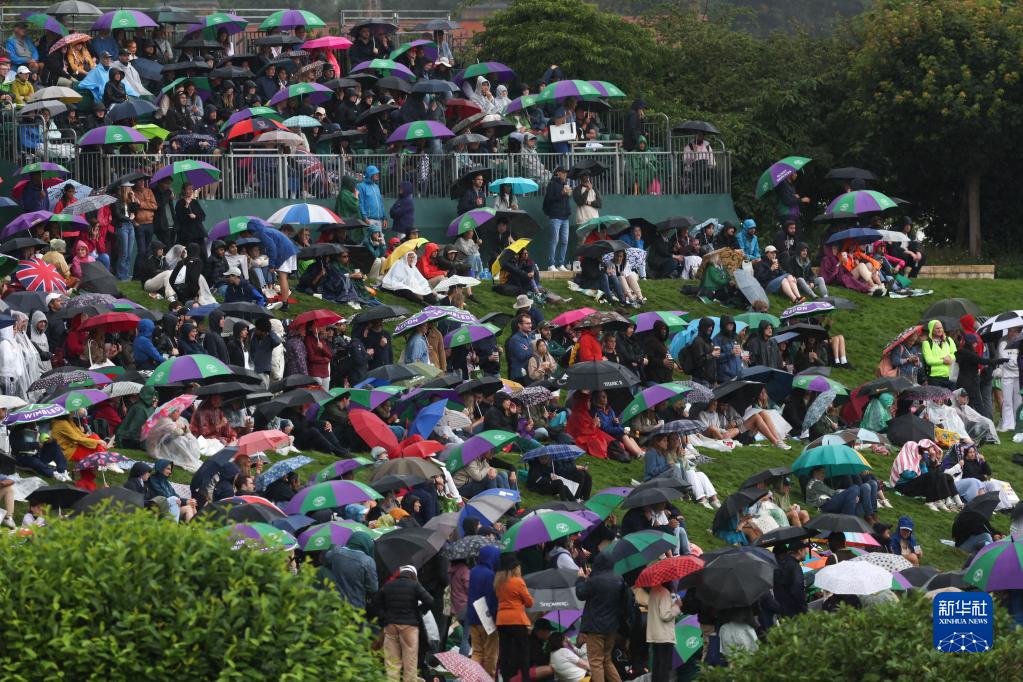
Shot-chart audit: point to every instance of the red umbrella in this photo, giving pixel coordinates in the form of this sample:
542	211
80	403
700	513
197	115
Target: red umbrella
462	667
669	570
320	317
373	431
901	338
112	322
461	108
35	275
20	185
252	126
258	441
423	448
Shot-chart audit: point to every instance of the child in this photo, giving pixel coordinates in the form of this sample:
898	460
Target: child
568	666
34	516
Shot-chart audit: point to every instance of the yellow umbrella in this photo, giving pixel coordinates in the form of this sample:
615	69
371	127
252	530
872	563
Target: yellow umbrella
401	250
152	130
515	247
512	386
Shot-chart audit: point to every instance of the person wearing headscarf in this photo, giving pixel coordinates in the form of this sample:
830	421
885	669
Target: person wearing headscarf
501	100
910	475
404	279
878	413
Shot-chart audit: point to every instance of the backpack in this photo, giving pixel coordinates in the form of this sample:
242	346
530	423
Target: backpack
885	367
690	365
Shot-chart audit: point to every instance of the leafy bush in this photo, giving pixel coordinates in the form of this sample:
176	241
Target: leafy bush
879	644
127	596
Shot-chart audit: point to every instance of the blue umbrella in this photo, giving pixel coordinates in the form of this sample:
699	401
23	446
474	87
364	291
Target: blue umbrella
7	202
488	506
280	470
778	382
519	185
53	193
426	419
555	451
294	524
861	235
202	311
688	335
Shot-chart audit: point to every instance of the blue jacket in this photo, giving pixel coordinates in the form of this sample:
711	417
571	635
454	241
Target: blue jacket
729	365
142	348
607	422
261	351
654	464
371	202
16	59
403	211
519	352
243	291
749	244
33	198
416	350
481	583
633	242
895	543
278	247
555	201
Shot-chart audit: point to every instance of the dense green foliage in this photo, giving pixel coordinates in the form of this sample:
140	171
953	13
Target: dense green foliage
886	642
128	596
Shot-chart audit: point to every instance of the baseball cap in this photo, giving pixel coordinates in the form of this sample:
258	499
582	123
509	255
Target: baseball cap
770	247
233	271
320	110
23	69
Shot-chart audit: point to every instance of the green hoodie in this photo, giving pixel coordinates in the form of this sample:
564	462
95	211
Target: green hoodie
129	430
642	166
347	205
934	353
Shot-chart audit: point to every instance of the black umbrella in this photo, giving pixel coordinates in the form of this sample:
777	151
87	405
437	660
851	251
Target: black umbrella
850	173
520	223
231	71
341	83
466	123
735	579
766	475
885	385
485	385
396	482
909	427
644	496
244	310
116	499
553	590
839	302
241	512
738	393
599	249
293	381
839	523
500	126
365	79
199	44
461	185
294	398
392	373
434	87
13	245
278	40
132	177
393	83
61	496
26	301
805	330
339	134
374	112
918	576
446	380
783	535
599	375
319	251
758	553
985	504
148	69
693	127
949	579
379	312
498	319
735	504
245	376
133	108
413	546
226	389
166	14
676	223
952	307
590	167
375	25
438	25
97	279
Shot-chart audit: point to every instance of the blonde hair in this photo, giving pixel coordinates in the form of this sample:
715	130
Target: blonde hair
502	576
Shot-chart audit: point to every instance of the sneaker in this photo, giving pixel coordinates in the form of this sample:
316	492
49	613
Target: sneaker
9	522
783	445
716	504
940	505
705	504
62	476
113	469
932	506
553	268
565	268
274	306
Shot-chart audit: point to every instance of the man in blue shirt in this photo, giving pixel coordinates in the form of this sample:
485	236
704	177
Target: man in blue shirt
371	202
518	348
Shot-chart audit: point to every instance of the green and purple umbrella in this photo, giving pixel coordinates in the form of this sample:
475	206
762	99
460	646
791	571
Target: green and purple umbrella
330	495
649	397
340	468
522	103
311	93
201	83
688	639
638	549
805	310
477	446
608	222
75	400
673	318
288	19
998	566
192	368
197	173
211	24
420	130
779	170
111	135
388	67
543	526
609	90
560	90
372	398
604	502
492	71
838	460
35	412
45	22
818	384
123	19
323	536
233	226
251	112
429	49
46	168
468	334
859	202
259	535
471	220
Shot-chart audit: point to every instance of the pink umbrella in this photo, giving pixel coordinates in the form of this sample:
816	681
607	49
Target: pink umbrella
571	317
258	441
178	404
462	667
327	43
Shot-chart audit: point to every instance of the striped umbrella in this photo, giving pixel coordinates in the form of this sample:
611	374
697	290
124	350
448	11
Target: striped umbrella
636	550
672	318
123	19
233	226
305	214
339	468
258	535
313	93
288	19
469	334
604	502
779	170
45	22
326	535
569	88
251	112
105	135
46	168
388	67
330	495
420	130
429	49
649	397
75	400
196	173
859	202
477	446
219	21
542	526
998	566
197	368
609	90
492	71
471	220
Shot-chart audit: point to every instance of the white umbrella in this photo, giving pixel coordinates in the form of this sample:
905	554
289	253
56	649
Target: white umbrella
893	236
1001	322
120	389
11	402
853	577
456	281
280	137
81	191
889	562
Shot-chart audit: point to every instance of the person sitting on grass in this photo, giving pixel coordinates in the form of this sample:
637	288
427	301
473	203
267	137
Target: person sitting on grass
854	500
612	425
904	543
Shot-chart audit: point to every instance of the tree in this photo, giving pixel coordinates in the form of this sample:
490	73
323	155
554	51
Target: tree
938	84
128	596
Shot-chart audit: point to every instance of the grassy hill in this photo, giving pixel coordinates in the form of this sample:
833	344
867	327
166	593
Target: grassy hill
867	329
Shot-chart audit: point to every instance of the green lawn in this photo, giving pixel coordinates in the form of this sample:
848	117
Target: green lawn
867	330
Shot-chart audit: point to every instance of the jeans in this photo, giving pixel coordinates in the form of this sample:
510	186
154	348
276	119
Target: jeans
125	249
975	543
843	503
868	497
104	258
682	540
39	461
475	264
463	646
143	238
559	241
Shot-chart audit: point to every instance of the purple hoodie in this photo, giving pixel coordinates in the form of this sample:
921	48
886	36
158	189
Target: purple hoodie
403	212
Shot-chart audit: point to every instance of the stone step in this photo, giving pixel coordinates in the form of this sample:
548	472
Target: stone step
957	272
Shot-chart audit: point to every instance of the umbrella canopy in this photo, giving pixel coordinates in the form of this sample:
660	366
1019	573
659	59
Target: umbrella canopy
860	202
190	368
33	413
477	446
807	309
75	400
889	562
60	496
304	214
36	275
258	535
985	504
783	535
311	93
469	334
669	570
342	467
850	173
261	441
387	67
818	384
553	589
909	427
495	72
902	337
330	495
420	130
539	527
471	220
952	307
116	499
413	546
853	577
462	667
490	505
927	392
843	523
650	397
123	19
604	502
288	19
1000	323
735	579
653	492
467	547
636	550
778	171
176	404
766	475
555	451
197	173
860	235
219	21
599	375
693	127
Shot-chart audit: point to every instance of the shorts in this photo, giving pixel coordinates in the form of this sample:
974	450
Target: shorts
289	265
774	286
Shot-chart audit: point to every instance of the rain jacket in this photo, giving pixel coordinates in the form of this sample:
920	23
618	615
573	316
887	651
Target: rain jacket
729	365
555	201
895	544
160	484
403	211
934	353
278	248
481	583
602	591
876	415
748	242
401	601
371	202
347	204
353	570
142	348
212	341
764	351
128	432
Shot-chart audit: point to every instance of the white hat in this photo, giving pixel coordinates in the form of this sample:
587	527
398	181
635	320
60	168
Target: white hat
770	247
233	271
23	69
522	301
409	568
320	110
443	61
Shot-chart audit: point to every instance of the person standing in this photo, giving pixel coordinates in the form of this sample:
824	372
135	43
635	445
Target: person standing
939	354
400	605
513	599
483	597
518	349
145	213
371	201
1008	372
556	208
662	610
606	596
123	212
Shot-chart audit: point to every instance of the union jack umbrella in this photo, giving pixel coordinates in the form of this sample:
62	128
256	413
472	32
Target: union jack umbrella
35	275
